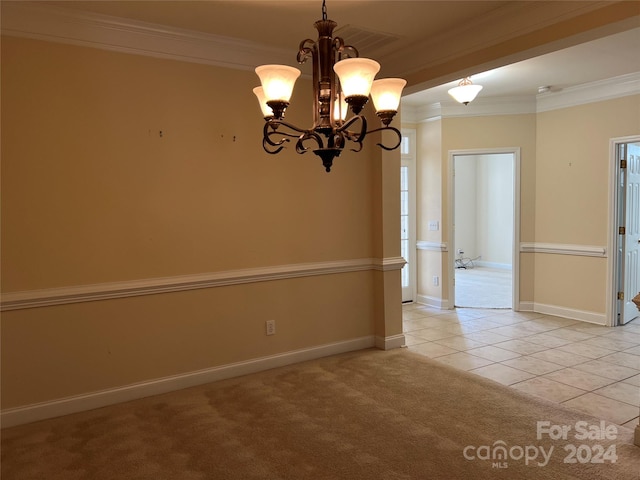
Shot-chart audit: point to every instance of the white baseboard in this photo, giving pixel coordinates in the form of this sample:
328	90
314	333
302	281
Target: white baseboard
501	266
90	401
435	302
525	307
389	343
582	315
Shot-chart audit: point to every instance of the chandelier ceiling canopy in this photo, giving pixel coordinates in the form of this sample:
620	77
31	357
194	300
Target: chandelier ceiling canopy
342	83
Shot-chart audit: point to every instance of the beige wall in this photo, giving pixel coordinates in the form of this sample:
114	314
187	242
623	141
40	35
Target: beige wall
435	140
484	208
564	199
572	198
92	193
429	205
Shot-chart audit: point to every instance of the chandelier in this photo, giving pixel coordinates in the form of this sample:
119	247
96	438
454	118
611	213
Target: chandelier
342	81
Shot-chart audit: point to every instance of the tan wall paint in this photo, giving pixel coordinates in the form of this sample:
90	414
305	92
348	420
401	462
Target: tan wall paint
388	311
55	352
572	180
465	133
91	193
95	195
429	204
564	192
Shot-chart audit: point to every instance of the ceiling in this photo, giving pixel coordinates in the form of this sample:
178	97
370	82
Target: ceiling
600	59
431	43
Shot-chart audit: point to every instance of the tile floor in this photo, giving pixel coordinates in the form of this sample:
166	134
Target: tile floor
587	367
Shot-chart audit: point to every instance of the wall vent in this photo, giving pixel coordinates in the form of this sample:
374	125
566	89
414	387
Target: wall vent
365	41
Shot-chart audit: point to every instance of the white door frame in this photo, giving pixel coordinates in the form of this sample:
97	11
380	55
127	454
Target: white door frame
410	162
613	241
515	151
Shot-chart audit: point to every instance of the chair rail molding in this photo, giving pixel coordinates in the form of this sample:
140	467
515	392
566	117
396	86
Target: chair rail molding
105	291
563	249
432	246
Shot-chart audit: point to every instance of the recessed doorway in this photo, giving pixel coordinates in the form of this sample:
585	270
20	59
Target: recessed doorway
484	225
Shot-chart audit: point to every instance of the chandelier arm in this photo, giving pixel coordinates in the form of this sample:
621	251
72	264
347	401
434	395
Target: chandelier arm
393	129
271	129
355	136
305	50
308	135
345	51
359	148
353	120
268	144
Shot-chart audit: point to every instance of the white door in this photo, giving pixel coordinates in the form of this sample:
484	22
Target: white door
630	237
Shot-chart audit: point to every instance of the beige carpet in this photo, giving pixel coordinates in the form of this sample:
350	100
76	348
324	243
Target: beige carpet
363	415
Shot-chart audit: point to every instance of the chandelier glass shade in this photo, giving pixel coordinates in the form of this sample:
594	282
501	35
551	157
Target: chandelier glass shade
466	91
342	83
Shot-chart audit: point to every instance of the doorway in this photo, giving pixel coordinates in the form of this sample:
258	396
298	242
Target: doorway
484	226
625	239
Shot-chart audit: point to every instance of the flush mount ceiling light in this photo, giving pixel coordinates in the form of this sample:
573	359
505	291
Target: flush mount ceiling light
466	91
342	81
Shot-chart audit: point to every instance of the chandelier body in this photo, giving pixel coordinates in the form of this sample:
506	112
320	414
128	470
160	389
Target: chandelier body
341	81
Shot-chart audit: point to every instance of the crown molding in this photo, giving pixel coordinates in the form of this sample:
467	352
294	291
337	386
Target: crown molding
481	107
592	92
511	20
602	90
62	25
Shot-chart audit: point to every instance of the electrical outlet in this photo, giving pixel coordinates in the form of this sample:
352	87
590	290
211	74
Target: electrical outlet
436	281
271	327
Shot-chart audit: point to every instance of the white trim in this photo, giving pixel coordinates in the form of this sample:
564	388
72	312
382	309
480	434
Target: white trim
515	254
583	315
563	249
63	25
613	237
409	161
501	266
611	88
441	303
388	264
525	307
616	87
432	246
104	291
481	107
90	401
389	343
